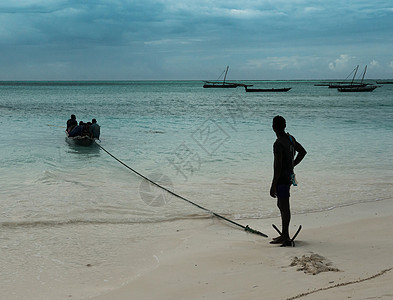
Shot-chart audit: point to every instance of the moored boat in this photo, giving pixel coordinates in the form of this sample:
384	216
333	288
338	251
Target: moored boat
214	84
266	90
362	87
349	84
222	84
368	88
346	85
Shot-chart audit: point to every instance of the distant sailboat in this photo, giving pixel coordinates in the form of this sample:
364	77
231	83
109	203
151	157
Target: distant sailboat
248	90
346	85
361	87
367	88
222	84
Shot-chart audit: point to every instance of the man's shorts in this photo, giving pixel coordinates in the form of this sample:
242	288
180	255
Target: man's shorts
283	190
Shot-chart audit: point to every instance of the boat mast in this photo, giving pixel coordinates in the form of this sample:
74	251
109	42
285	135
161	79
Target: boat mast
364	73
225	76
354	75
350	73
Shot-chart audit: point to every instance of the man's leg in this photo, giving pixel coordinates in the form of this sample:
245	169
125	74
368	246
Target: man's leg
283	205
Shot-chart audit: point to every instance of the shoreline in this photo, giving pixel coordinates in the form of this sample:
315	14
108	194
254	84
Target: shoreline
355	241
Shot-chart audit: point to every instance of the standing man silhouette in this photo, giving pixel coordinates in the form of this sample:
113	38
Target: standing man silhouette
284	149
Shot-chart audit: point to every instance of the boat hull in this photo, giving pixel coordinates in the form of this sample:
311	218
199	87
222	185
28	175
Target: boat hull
222	86
336	86
357	89
267	90
84	141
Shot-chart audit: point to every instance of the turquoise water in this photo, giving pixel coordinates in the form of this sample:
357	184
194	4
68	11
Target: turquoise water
212	146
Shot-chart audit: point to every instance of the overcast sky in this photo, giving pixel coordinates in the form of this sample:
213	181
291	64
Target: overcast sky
183	39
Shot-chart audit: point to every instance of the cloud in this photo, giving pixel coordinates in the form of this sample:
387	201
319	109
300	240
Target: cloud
313	9
276	35
83	22
244	13
283	63
374	64
340	63
276	63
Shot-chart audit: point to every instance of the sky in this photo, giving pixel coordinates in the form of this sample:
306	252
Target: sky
194	40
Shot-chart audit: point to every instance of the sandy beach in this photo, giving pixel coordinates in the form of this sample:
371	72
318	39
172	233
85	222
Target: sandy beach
345	252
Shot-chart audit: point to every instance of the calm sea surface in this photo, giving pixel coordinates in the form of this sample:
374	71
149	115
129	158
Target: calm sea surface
62	203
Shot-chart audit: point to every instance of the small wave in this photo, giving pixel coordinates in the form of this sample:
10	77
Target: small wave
339	205
274	214
49	177
73	222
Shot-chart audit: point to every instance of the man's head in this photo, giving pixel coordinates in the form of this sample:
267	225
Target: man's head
279	123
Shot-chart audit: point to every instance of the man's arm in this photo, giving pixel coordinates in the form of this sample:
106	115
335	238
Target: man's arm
301	153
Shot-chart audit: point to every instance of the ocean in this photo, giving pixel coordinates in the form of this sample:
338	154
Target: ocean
65	207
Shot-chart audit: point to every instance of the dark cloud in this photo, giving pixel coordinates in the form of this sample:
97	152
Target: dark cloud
135	39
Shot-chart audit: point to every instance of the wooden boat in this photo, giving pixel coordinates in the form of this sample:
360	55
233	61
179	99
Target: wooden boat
84	141
346	85
225	85
267	90
368	88
358	88
222	84
352	83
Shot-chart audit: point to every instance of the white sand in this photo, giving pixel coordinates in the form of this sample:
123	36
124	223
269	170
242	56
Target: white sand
222	262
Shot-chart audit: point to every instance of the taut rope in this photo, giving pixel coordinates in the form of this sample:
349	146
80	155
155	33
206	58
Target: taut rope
246	228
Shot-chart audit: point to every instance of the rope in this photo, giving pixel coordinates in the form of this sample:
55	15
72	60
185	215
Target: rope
246	228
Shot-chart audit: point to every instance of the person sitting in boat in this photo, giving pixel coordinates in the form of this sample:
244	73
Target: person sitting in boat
86	129
77	131
95	129
71	123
